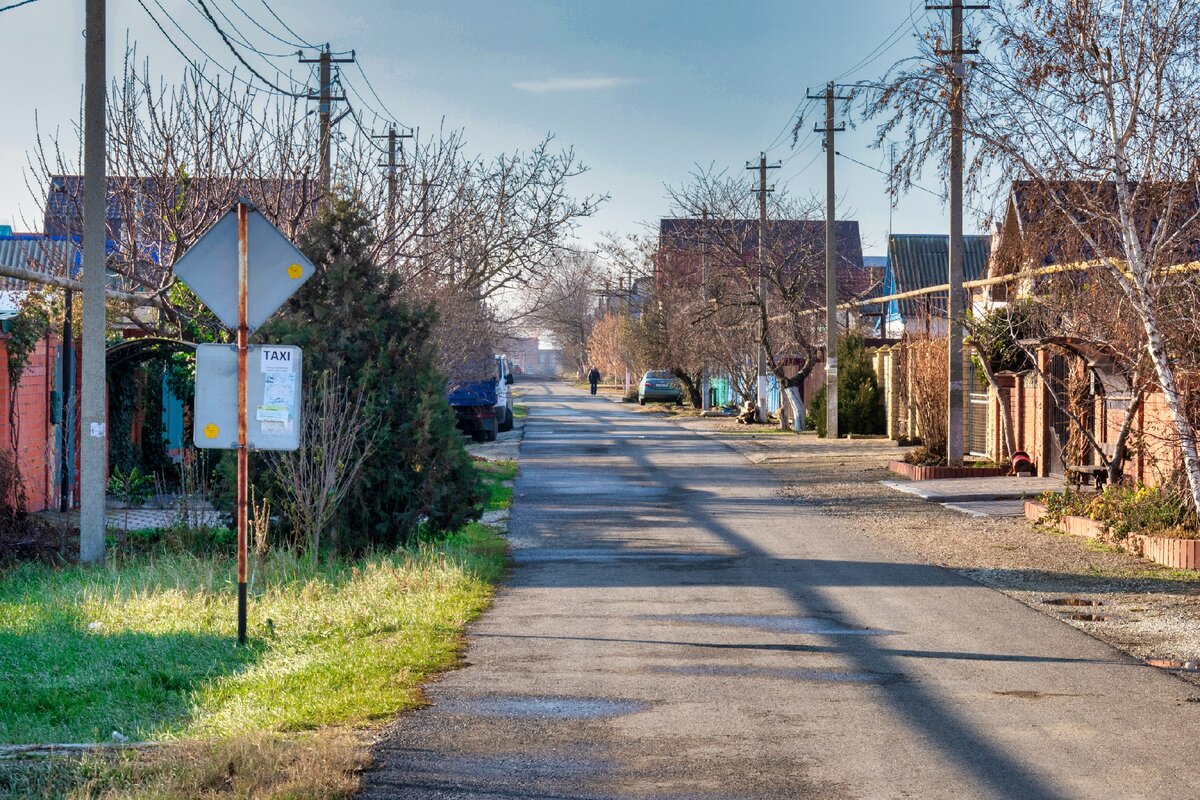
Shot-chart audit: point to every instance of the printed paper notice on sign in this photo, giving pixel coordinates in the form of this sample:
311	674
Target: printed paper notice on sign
279	389
274	413
278	360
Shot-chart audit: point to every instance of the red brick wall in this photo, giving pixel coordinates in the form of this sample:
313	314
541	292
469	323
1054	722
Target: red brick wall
34	436
1151	439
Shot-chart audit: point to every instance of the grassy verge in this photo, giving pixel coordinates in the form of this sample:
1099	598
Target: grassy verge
520	410
146	650
495	475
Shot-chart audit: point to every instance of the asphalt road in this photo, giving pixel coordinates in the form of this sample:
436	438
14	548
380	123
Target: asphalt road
673	628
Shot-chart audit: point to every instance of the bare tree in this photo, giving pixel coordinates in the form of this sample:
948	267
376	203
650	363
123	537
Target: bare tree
335	440
717	261
564	299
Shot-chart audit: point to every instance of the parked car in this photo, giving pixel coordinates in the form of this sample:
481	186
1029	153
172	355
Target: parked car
660	386
484	407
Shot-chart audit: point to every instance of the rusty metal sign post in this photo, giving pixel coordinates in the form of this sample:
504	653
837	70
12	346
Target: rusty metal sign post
280	269
243	454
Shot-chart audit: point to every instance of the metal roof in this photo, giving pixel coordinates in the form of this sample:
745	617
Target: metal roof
37	253
918	261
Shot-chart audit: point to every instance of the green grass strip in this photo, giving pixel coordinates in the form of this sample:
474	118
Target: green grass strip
147	649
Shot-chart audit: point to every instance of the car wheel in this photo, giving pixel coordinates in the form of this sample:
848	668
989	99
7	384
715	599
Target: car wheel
507	423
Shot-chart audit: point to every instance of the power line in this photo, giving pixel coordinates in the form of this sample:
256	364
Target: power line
287	27
238	55
200	71
266	30
250	85
241	38
17	5
888	43
375	94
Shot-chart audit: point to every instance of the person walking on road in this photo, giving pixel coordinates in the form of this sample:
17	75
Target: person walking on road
594	378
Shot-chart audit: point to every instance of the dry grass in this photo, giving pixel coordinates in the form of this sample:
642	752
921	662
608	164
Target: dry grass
321	766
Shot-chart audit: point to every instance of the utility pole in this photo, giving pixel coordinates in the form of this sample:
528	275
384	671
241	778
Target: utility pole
705	400
831	321
392	136
954	300
326	99
93	453
762	190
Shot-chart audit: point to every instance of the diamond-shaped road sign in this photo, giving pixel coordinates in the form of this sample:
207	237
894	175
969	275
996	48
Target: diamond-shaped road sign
276	269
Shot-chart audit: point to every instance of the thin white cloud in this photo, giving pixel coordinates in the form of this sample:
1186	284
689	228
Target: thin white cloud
571	84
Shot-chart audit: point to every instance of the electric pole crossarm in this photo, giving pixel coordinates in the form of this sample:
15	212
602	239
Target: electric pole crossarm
326	99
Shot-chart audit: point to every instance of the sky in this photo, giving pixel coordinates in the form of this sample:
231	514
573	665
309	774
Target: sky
645	91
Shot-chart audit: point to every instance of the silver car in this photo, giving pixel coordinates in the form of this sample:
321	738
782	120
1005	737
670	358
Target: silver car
660	386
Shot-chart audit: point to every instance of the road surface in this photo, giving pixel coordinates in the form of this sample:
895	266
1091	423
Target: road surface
673	628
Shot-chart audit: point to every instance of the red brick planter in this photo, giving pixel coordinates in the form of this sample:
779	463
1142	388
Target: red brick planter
1174	553
917	473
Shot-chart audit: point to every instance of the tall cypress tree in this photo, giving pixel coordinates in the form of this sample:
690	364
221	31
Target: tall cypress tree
351	318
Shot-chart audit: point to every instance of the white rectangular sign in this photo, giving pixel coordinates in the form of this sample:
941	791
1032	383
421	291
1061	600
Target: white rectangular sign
273	397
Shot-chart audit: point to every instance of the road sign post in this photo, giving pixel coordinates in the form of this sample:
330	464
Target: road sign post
243	454
209	270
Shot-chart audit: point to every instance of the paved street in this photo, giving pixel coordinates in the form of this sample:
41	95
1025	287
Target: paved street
673	628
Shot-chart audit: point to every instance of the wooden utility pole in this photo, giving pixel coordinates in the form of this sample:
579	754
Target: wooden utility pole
955	300
93	451
326	99
392	178
762	190
831	321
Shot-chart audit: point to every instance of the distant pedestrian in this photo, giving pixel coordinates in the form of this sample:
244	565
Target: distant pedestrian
594	378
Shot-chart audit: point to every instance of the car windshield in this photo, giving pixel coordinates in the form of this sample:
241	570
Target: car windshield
660	374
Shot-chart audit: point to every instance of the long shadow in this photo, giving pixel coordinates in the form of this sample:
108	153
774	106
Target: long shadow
66	684
932	719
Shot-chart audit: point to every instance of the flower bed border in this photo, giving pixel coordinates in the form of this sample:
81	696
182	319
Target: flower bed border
919	473
1173	553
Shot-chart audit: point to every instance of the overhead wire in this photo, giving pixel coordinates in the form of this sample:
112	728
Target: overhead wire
199	70
268	31
237	54
17	5
240	37
375	94
888	43
286	27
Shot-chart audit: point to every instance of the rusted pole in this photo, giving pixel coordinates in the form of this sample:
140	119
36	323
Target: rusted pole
243	455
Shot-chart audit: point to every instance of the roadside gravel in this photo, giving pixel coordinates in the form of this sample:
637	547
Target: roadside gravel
1147	610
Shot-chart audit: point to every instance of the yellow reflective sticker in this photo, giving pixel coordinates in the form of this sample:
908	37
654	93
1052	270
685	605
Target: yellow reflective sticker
211	431
295	271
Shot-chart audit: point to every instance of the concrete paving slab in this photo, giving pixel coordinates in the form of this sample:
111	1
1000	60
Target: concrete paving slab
989	508
967	490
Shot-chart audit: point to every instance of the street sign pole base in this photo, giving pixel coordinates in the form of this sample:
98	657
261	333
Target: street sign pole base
241	613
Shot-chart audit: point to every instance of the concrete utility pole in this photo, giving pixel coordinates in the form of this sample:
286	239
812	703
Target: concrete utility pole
954	300
326	99
831	321
392	137
762	168
93	452
705	400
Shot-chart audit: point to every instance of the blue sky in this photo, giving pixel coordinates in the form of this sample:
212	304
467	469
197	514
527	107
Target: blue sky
644	91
